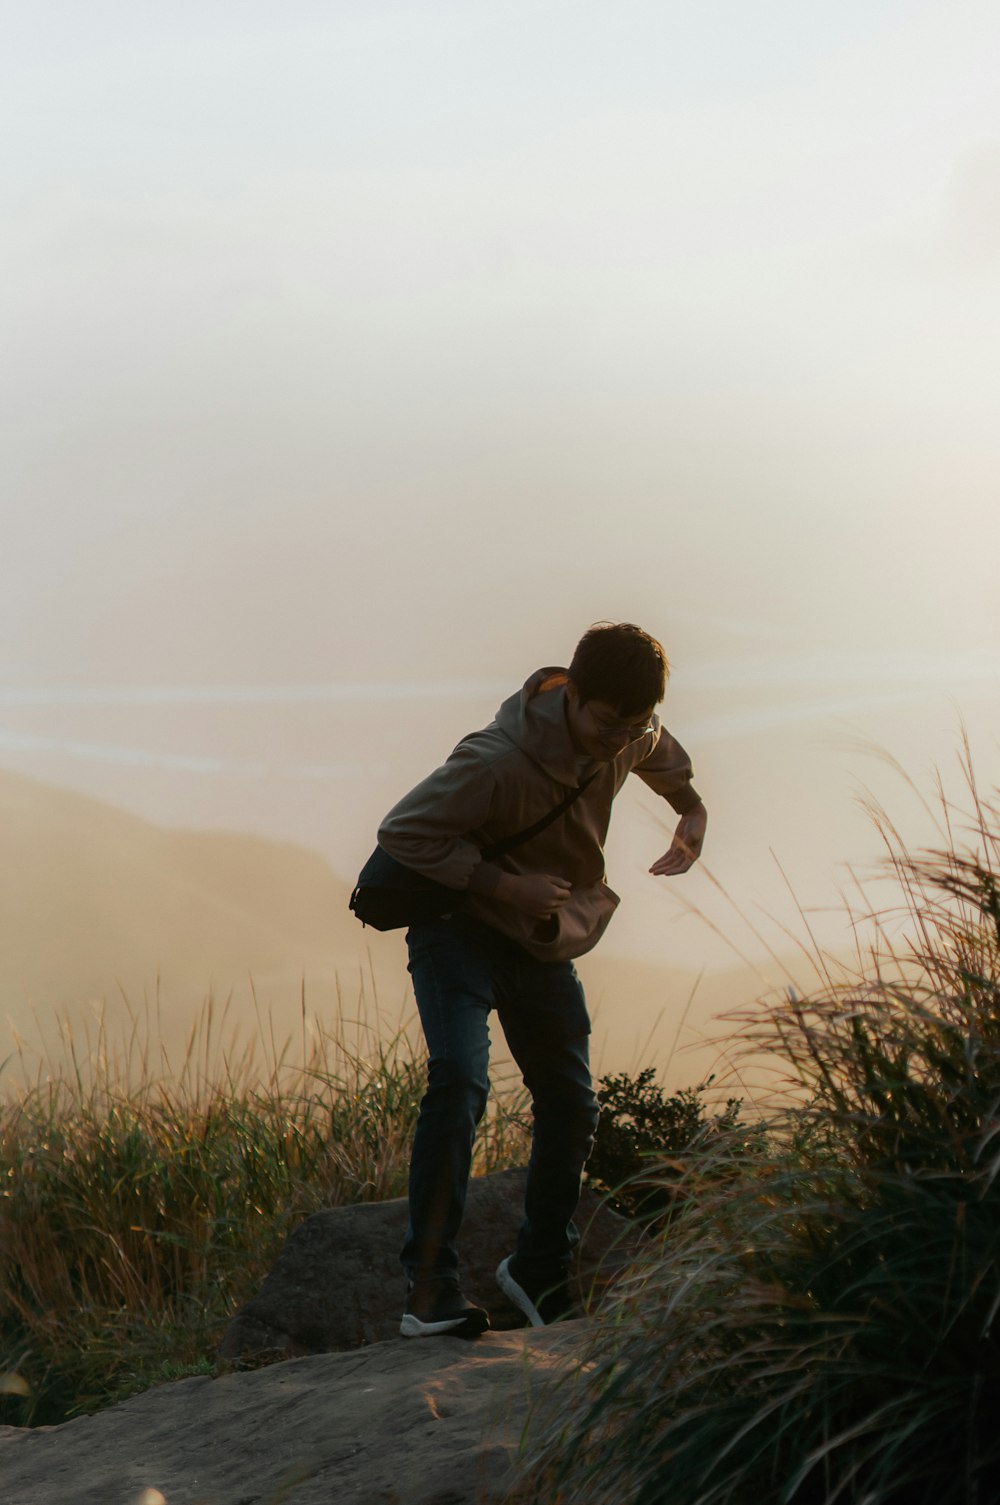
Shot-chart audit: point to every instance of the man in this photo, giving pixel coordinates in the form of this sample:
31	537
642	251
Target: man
509	945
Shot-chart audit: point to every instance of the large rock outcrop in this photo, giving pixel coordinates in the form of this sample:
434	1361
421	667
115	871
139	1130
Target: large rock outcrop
435	1422
337	1283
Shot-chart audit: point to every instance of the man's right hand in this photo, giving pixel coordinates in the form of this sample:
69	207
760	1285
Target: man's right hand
537	894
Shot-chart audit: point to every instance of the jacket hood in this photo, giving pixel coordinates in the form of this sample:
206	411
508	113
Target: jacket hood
535	718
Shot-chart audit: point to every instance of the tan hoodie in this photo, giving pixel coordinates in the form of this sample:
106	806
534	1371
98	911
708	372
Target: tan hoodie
505	778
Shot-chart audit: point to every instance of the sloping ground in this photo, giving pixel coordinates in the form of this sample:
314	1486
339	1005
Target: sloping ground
430	1422
101	910
90	894
104	912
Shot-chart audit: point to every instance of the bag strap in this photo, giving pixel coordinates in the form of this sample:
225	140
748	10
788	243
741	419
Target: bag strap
501	848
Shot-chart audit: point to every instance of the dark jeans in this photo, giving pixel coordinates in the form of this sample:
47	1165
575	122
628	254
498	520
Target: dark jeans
462	969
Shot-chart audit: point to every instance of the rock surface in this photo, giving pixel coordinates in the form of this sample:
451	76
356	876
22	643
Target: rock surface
393	1422
432	1422
337	1283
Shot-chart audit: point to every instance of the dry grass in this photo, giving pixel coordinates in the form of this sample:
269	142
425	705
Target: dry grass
819	1323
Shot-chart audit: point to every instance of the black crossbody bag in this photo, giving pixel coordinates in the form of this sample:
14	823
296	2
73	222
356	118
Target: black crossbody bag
390	896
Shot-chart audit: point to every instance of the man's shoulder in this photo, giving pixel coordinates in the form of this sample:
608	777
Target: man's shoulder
512	768
491	746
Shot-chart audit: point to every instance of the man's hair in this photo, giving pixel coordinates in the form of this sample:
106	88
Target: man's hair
620	664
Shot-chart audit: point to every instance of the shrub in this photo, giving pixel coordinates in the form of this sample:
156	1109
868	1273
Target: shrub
824	1327
642	1135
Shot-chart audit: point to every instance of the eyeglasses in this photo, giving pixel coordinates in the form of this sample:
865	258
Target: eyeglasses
632	731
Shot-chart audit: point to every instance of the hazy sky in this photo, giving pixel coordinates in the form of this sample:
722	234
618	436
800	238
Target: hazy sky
379	344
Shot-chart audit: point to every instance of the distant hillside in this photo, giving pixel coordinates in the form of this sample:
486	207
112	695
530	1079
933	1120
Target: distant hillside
96	903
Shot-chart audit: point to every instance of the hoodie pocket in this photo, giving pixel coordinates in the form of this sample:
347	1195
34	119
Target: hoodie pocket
577	927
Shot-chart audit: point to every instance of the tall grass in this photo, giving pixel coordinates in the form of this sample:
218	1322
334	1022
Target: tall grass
821	1324
140	1205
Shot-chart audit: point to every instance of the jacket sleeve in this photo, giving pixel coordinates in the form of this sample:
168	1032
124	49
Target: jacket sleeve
428	830
667	771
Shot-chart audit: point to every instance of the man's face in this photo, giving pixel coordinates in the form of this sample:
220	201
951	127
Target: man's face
599	729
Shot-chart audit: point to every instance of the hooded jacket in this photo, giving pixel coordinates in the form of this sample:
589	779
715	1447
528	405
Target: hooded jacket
503	779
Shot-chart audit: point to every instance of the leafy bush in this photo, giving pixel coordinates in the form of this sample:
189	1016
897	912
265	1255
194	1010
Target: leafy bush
826	1328
640	1135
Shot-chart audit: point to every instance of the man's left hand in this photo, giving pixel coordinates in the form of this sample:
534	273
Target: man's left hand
685	849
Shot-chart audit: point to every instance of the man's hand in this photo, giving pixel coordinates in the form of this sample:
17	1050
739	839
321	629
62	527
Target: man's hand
685	849
538	894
